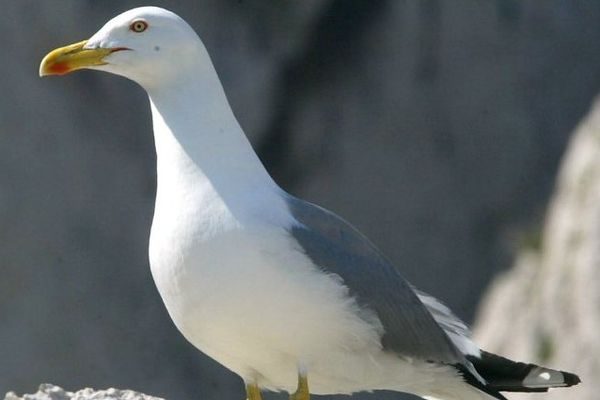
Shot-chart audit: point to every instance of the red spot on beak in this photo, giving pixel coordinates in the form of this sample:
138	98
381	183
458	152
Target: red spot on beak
60	68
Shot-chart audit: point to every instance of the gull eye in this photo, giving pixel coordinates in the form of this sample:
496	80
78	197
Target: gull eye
138	26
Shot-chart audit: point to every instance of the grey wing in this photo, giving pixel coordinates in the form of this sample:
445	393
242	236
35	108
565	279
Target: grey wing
337	248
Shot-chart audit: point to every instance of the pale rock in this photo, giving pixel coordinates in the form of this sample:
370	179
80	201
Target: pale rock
48	391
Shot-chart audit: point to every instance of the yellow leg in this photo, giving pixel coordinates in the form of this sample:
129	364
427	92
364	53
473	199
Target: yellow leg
302	392
253	392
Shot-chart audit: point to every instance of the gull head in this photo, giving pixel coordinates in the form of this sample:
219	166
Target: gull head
147	45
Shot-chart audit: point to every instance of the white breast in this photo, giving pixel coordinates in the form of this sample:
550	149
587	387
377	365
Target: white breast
244	295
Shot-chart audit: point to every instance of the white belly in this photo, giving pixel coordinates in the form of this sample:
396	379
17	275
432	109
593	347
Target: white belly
260	308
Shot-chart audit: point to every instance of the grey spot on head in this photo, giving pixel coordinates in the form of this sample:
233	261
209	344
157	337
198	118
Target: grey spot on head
156	48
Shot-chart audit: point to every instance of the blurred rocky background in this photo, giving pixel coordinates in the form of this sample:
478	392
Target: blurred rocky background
435	126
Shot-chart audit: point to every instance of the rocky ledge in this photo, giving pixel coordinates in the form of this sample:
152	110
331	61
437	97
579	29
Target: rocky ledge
48	391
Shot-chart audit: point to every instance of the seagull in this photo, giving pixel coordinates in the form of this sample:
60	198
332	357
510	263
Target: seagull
282	292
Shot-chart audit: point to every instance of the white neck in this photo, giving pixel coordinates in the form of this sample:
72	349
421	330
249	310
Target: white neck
203	155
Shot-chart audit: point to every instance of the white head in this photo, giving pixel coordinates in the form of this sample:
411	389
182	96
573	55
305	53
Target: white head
147	45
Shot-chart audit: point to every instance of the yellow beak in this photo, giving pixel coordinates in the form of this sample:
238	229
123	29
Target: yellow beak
73	57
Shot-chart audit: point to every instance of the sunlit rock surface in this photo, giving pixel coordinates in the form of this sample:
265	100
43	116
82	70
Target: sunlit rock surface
48	391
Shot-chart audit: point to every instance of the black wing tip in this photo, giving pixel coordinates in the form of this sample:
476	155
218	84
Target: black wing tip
570	378
506	375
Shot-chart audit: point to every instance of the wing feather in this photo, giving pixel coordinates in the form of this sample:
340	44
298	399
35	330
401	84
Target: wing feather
338	248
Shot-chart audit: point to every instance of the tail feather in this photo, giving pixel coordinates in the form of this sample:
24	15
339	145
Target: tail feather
506	375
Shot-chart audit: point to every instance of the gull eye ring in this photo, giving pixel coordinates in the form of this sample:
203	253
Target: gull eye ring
138	26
